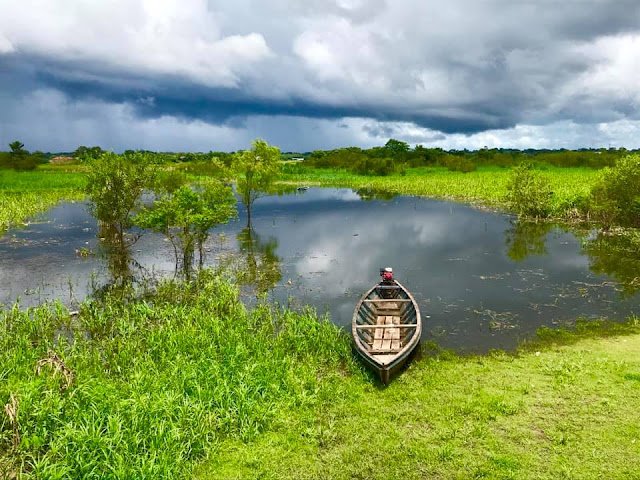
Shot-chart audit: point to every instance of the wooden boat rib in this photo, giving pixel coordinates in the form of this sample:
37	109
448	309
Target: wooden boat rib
386	328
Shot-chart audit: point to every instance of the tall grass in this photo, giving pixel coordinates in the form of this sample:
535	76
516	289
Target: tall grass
487	185
156	382
24	194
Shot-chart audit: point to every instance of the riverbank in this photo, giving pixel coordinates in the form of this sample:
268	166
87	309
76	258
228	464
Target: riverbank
563	410
186	377
25	194
486	186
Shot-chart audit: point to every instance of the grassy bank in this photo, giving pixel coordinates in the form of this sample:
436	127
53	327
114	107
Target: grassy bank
565	410
187	377
25	194
144	389
487	185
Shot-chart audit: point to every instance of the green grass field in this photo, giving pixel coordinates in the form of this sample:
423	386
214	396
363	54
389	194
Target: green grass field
486	186
566	410
186	382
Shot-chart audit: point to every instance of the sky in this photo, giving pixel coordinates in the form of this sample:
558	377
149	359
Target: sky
200	75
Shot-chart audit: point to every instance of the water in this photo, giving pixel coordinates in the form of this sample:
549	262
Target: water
481	280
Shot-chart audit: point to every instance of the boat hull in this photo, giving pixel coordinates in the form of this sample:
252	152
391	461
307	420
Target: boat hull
373	319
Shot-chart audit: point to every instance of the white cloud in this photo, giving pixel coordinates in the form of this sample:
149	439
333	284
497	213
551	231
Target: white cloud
179	38
5	45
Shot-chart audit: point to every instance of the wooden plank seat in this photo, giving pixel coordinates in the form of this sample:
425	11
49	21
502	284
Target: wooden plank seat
386	336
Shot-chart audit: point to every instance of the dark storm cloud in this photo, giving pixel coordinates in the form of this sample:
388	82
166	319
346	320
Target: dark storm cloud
170	96
451	67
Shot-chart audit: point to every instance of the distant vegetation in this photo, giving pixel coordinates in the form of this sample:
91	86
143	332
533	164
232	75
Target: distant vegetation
396	156
561	184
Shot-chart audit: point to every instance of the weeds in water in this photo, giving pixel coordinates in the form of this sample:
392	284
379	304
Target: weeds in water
24	194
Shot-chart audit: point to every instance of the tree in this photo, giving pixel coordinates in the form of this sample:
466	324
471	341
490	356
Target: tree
17	148
256	170
19	158
114	185
86	154
397	148
185	217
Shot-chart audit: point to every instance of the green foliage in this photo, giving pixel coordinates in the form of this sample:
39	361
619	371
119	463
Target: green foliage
115	184
397	148
88	154
615	199
155	384
186	214
20	159
457	164
255	171
528	192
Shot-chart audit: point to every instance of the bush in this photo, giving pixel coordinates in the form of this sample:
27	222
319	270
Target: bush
529	193
615	199
458	164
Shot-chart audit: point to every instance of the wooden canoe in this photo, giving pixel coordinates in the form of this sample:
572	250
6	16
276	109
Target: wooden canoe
386	328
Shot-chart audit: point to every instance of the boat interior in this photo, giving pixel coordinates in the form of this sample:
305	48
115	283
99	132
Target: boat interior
386	322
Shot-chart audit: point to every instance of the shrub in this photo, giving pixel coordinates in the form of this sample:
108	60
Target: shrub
458	164
615	199
528	192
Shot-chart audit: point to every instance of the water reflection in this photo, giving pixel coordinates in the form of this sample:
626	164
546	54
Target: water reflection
526	238
259	265
616	255
482	281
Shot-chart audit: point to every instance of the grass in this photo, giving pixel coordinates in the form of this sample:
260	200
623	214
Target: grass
487	185
25	194
565	408
187	378
152	384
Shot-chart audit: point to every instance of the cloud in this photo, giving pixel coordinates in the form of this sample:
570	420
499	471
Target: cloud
448	72
144	37
5	45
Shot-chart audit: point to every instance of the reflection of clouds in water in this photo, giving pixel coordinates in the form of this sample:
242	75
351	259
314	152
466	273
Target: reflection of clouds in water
452	257
309	196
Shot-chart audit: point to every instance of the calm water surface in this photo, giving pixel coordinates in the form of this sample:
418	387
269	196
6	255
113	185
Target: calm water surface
482	281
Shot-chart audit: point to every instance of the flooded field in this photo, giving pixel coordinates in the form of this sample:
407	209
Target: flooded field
482	280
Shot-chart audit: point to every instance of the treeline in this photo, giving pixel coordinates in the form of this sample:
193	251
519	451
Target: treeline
84	154
395	156
18	158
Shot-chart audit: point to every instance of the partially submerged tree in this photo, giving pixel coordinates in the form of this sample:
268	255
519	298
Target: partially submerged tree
185	215
115	185
615	199
528	192
256	170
